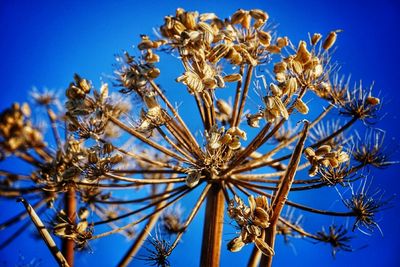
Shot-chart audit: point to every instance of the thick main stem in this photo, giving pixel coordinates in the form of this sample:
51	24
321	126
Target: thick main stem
213	224
70	209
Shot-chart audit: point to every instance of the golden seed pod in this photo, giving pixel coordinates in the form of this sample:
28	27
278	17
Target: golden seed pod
301	106
153	73
373	101
309	152
261	214
235	131
92	157
178	27
189	20
219	81
264	37
297	67
238	16
330	40
276	91
273	49
226	139
235	244
258	23
224	107
253	120
333	162
263	247
315	38
218	52
246	21
207	16
291	86
192	179
258	14
322	150
262	201
150	57
280	67
233	77
235	143
303	55
145	44
205	27
281	42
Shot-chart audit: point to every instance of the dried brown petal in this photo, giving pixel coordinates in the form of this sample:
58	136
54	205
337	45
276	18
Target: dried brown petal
330	40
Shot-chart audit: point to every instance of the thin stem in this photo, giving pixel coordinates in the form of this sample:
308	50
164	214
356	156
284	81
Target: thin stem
244	95
237	96
58	256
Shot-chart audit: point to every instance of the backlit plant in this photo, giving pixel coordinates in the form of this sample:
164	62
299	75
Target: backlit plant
275	120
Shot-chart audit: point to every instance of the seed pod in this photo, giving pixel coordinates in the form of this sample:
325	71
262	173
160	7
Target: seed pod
226	139
207	16
145	44
330	40
235	143
297	67
373	101
263	247
218	52
258	14
193	178
233	77
291	86
280	67
238	16
219	81
303	56
246	21
301	106
150	57
190	20
322	150
313	170
153	73
235	244
264	37
309	152
253	120
315	38
273	49
92	157
258	23
281	42
276	91
108	148
235	131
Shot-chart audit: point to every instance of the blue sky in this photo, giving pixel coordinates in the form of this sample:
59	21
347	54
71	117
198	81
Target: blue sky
44	44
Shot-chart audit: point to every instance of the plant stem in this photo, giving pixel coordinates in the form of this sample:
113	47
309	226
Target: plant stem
70	209
213	224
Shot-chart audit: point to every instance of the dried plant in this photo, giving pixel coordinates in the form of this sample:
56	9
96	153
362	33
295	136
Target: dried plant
137	141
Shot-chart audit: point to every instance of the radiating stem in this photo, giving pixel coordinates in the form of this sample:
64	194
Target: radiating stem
212	230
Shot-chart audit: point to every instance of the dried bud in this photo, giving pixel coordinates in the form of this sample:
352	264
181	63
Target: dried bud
264	37
373	101
258	14
315	38
330	40
301	106
233	77
235	244
193	178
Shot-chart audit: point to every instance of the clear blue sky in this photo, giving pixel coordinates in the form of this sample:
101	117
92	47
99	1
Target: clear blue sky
43	43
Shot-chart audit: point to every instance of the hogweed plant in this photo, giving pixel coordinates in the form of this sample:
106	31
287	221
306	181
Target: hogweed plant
122	162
